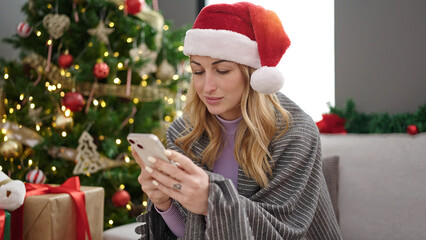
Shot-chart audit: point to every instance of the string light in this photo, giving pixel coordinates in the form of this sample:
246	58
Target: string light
49	6
64	134
106	54
175	77
122	186
11	110
1	168
116	54
30	98
5	138
83	10
170	101
135	100
168	119
30	162
53	169
121	7
103	104
127	159
101	137
120	65
68	74
95	102
166	27
49	42
129	207
180	48
76	67
131	121
63	108
129	40
90	44
144	83
118	141
37	127
67	113
110	222
4	131
18	107
6	76
145	203
145	77
117	80
183	98
158	82
111	24
59	86
38	33
32	105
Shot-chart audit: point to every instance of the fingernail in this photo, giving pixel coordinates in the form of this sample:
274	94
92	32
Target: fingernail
168	153
155	182
149	169
151	159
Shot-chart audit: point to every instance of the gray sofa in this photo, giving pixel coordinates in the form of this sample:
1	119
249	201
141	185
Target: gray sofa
377	183
381	187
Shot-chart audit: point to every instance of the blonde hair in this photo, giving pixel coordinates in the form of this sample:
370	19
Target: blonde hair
257	129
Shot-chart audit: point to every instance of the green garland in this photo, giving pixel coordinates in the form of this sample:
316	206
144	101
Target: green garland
357	122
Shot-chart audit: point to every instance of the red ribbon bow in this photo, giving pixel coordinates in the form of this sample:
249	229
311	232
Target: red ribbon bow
70	186
2	222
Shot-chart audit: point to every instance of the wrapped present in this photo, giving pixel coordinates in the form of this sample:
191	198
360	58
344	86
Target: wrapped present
55	215
4	225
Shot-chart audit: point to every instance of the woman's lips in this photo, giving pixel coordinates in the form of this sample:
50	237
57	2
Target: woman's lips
213	100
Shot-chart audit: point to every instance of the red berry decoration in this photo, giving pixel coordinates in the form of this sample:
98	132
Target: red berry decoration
23	29
412	129
65	61
134	6
101	70
120	198
73	101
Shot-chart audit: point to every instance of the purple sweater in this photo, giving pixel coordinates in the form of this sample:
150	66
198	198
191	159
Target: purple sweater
226	165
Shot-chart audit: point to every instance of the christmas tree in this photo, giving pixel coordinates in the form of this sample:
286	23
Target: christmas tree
90	72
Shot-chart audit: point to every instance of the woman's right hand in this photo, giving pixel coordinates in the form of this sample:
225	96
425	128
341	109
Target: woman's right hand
158	198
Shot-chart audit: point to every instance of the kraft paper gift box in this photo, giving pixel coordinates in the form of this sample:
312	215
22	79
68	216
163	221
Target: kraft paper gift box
53	216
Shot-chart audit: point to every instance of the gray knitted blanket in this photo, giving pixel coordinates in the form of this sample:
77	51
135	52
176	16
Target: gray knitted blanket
296	204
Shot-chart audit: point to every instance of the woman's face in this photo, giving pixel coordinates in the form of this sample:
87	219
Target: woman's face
219	84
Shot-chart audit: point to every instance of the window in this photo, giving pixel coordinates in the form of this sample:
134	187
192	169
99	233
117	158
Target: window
308	65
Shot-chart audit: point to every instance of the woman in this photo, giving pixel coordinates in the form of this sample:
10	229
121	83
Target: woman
247	159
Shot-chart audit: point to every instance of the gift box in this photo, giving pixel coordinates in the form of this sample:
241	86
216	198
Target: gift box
53	216
6	226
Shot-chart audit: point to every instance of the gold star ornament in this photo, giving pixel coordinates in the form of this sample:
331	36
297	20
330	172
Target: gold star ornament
101	32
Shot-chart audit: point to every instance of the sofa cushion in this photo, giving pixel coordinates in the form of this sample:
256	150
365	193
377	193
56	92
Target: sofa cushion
330	169
381	184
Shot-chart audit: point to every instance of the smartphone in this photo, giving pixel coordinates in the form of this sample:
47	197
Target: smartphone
147	144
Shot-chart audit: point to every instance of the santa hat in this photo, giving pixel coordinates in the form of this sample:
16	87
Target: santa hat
243	33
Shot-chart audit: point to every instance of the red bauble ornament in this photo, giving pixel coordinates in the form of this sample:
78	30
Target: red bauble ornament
65	61
412	129
120	198
74	101
101	70
23	29
35	176
134	6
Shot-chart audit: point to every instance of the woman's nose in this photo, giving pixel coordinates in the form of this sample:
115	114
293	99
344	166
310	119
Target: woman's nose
209	82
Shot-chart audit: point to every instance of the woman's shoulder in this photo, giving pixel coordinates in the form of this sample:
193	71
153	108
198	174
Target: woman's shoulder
300	119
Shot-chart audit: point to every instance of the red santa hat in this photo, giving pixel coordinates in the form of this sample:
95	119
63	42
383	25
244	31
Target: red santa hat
243	33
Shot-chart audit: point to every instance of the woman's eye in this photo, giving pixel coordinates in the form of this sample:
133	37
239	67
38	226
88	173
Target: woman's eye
223	71
197	72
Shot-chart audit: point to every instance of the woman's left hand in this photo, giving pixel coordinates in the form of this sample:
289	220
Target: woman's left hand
185	182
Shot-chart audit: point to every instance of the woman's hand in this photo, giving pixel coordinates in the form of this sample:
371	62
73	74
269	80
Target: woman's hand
184	181
157	197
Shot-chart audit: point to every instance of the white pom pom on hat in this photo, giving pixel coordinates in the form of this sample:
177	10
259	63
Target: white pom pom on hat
243	33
